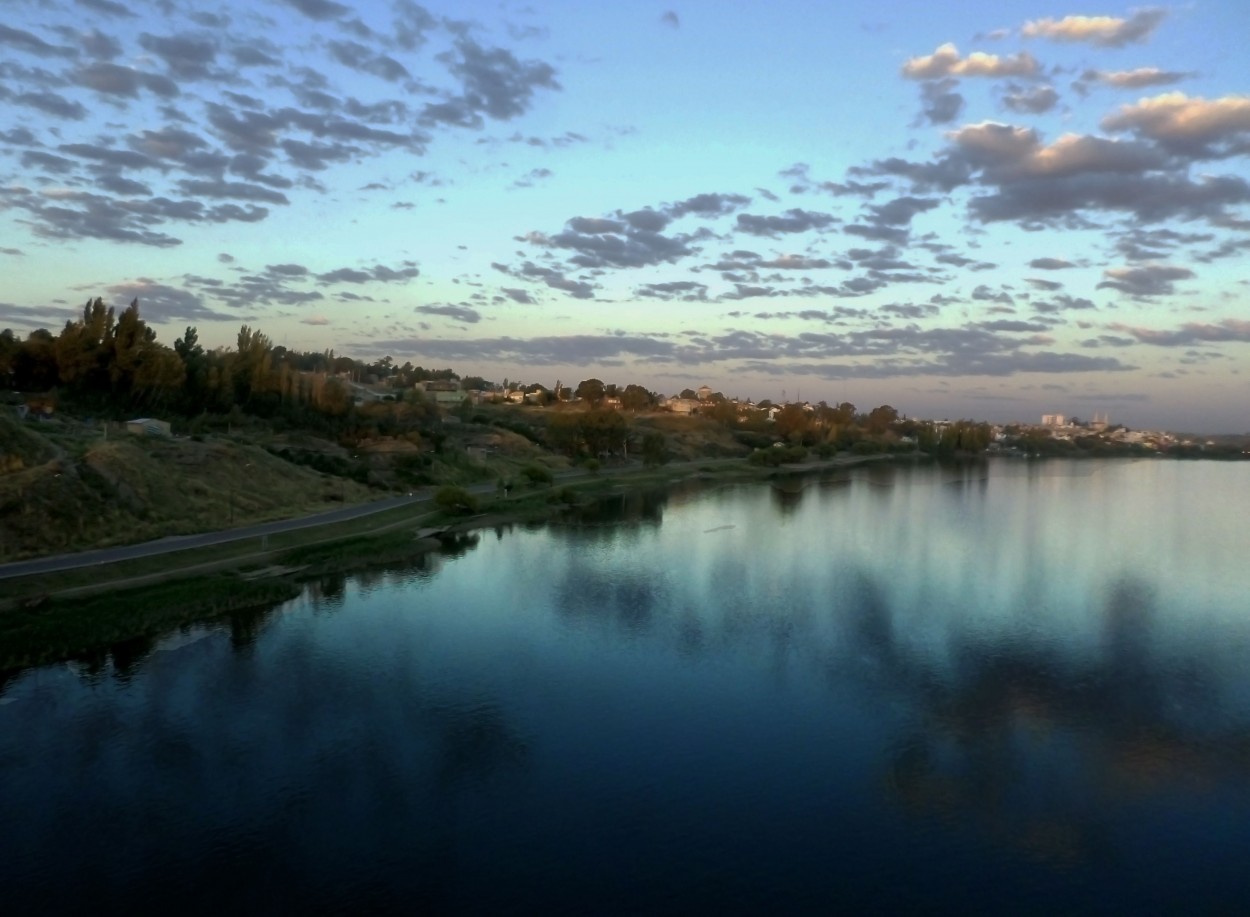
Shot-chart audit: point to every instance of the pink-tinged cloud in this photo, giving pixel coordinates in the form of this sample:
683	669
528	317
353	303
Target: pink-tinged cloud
1104	31
1229	330
1005	151
945	61
1181	122
1134	79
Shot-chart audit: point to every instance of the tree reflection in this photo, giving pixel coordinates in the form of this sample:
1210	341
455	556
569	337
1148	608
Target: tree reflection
127	655
787	495
246	625
613	513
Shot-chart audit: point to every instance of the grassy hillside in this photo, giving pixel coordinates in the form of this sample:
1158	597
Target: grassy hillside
74	489
66	486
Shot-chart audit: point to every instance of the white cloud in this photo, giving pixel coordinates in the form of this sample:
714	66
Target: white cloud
1105	31
1134	79
1177	120
945	61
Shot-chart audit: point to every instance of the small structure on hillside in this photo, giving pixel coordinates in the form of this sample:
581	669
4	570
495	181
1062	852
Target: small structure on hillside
442	391
149	426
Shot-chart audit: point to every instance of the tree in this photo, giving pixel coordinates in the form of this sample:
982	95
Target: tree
792	422
9	346
563	434
34	363
881	419
591	433
131	337
654	448
723	412
84	348
603	431
592	391
636	398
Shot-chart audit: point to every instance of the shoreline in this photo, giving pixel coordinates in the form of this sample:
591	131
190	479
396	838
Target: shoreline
84	613
53	617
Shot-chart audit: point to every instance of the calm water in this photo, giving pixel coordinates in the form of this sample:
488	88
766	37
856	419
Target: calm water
1007	687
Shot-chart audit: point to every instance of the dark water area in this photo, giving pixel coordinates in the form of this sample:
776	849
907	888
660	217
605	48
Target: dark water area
1009	687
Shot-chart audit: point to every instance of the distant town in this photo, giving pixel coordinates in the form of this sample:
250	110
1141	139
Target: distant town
108	435
110	366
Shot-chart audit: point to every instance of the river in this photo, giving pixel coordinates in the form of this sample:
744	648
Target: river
1008	686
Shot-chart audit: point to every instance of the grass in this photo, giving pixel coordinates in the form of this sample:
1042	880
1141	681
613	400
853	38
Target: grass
128	490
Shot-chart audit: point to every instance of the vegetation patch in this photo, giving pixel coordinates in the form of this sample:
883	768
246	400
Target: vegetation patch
54	628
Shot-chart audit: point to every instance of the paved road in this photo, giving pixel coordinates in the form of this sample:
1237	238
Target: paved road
60	562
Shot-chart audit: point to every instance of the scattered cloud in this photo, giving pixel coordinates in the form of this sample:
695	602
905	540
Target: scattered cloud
791	221
941	104
1103	31
1196	127
1228	330
1146	279
1035	101
1140	78
946	62
464	314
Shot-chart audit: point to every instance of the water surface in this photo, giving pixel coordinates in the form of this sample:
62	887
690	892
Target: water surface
1010	686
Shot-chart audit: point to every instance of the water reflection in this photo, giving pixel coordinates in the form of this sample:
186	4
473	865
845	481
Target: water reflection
614	513
246	625
787	495
907	681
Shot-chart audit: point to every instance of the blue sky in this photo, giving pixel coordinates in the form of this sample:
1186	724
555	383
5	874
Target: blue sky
983	210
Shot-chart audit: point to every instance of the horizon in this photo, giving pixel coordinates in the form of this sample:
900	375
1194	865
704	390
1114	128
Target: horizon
1032	211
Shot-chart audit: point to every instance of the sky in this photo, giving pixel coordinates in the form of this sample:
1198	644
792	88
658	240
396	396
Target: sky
962	209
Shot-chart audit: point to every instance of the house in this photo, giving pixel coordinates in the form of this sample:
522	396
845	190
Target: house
363	395
148	426
444	392
682	405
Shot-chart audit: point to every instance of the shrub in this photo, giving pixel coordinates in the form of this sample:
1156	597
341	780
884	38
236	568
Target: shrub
654	448
777	455
536	474
453	499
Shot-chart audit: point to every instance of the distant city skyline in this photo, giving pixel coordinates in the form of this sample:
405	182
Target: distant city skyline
983	210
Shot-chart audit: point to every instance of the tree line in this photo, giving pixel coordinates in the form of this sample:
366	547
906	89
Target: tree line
113	363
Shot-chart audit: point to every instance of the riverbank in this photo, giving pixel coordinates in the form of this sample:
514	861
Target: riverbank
56	616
